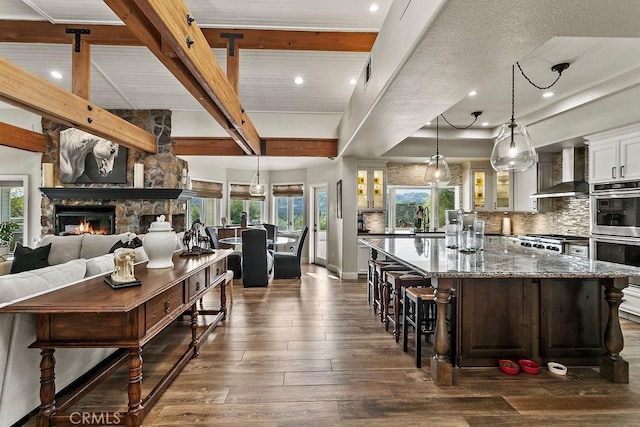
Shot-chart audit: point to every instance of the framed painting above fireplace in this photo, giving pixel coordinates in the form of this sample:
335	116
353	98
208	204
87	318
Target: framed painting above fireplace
87	158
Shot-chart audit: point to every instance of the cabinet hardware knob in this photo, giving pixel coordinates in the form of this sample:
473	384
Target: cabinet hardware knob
613	172
166	307
197	286
621	171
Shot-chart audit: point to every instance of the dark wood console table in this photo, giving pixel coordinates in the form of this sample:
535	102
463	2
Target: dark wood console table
92	314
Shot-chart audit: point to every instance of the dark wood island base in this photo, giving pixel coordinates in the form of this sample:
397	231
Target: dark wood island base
516	304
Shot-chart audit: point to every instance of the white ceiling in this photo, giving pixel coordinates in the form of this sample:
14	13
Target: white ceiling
469	45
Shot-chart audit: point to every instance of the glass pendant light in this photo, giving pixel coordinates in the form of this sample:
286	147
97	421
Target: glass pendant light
257	187
513	150
437	172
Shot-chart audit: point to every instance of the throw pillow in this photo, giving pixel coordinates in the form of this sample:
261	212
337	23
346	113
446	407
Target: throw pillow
132	244
25	258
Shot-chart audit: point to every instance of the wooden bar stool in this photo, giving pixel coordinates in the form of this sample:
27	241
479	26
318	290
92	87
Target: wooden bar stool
372	281
396	281
382	285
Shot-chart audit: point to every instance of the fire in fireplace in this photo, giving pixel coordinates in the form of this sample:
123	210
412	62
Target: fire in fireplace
84	219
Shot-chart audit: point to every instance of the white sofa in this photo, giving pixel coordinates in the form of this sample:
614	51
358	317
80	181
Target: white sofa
71	259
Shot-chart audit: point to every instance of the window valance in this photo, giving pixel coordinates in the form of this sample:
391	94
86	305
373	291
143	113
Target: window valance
206	189
290	190
241	192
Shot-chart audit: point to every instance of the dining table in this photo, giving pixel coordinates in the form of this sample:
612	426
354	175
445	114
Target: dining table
280	240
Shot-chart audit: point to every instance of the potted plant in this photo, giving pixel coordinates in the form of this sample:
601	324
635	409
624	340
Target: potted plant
6	235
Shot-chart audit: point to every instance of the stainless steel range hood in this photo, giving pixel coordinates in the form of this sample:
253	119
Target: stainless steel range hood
573	183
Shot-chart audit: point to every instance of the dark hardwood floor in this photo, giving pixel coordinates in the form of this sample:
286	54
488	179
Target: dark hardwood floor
312	353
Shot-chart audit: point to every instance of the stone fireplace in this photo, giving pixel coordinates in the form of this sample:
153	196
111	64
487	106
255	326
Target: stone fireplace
132	207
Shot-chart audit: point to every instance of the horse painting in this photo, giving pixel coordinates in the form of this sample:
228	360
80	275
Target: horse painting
89	158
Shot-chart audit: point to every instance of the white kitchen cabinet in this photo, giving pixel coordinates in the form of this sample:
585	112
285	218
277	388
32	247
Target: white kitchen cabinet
371	188
613	155
526	183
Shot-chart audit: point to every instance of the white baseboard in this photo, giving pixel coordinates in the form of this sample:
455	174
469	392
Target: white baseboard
629	316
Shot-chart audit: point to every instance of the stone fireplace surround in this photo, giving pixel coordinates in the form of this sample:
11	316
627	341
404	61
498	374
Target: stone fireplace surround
162	170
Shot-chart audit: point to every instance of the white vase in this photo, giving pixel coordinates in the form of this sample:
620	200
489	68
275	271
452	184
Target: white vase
160	244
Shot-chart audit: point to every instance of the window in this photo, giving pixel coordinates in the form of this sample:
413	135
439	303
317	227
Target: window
403	202
240	200
13	205
288	202
205	209
205	206
253	208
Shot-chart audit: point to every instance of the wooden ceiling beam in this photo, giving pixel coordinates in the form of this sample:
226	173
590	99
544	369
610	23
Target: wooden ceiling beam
118	35
13	136
81	70
189	44
204	146
275	147
25	90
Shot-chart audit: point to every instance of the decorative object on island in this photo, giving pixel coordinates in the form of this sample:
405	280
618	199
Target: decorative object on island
122	276
437	172
47	174
159	244
6	235
89	158
138	175
257	187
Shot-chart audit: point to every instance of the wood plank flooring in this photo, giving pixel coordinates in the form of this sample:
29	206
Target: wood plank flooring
312	353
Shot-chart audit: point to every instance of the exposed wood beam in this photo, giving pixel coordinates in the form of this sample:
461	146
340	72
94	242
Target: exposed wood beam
188	42
30	92
233	70
197	146
23	139
281	147
81	70
116	35
144	30
302	147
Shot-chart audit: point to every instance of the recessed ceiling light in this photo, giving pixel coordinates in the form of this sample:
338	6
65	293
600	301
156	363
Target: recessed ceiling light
353	81
56	74
547	94
373	7
428	123
485	123
298	80
473	93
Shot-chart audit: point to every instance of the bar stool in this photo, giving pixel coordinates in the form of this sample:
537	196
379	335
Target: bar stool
381	288
372	278
396	281
424	313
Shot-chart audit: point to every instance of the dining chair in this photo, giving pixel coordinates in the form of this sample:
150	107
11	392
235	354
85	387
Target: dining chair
234	260
286	265
272	232
255	258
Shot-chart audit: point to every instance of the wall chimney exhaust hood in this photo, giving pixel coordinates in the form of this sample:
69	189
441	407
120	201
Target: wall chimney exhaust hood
573	183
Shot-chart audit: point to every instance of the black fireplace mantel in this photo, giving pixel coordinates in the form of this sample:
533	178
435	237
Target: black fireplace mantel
116	193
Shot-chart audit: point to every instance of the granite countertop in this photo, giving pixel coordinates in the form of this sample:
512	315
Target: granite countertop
429	256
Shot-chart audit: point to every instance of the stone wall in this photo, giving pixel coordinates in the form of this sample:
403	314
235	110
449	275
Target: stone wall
162	170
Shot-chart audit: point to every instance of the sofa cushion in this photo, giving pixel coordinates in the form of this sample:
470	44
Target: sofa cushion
63	248
29	283
25	258
100	265
94	245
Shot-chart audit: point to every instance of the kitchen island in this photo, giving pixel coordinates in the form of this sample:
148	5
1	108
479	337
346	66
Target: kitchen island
515	302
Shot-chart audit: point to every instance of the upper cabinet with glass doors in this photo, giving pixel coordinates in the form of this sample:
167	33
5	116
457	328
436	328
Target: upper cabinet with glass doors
371	189
486	189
